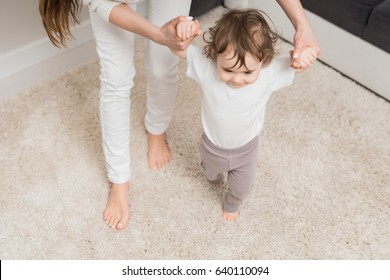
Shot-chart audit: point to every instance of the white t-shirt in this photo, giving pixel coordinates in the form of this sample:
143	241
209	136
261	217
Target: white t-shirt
104	7
232	117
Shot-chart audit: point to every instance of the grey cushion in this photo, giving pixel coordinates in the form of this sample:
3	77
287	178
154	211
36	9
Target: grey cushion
377	31
199	7
367	19
351	15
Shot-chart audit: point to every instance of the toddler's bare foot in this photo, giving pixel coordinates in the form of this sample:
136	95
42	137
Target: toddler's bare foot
230	217
117	213
158	153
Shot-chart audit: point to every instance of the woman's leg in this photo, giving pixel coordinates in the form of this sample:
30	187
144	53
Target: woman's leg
115	48
162	68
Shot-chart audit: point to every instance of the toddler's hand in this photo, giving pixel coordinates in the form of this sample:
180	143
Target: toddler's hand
187	29
305	60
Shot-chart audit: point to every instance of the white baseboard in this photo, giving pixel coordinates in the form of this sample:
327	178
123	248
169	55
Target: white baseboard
359	60
41	61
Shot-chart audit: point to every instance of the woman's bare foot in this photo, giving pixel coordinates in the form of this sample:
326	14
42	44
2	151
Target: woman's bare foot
158	151
230	217
117	213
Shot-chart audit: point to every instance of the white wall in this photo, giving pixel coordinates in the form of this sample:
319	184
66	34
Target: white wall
20	23
27	57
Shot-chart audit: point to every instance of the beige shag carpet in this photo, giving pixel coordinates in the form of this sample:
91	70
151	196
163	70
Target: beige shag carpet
322	187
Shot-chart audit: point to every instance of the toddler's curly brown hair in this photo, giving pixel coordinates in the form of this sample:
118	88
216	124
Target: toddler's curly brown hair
245	31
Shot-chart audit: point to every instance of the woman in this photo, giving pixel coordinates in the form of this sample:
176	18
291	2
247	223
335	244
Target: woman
111	22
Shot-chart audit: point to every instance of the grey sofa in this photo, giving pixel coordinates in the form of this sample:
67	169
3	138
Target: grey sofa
366	19
199	7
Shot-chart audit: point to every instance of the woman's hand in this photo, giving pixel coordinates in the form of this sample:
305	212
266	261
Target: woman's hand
125	17
304	36
304	39
169	33
305	60
188	29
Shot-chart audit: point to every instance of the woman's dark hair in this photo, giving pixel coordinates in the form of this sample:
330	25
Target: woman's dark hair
58	16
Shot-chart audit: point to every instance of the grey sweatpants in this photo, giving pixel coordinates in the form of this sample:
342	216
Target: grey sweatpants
240	165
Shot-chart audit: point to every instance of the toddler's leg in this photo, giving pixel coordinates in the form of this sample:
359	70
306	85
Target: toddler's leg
213	164
239	185
240	180
162	68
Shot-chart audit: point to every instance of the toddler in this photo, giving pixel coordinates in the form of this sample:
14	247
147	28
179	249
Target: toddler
237	72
